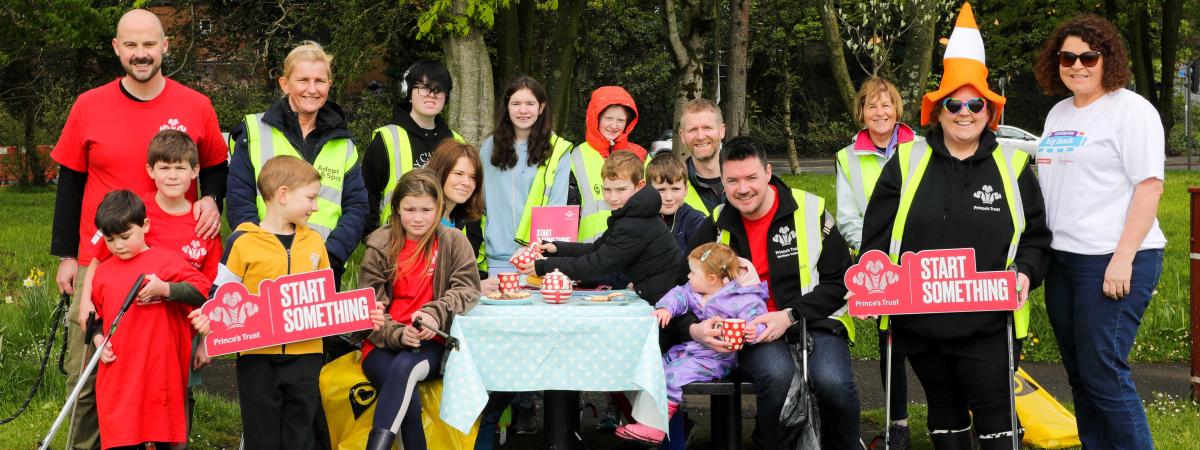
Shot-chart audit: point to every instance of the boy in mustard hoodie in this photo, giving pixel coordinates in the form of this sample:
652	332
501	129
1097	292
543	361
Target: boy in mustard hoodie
277	386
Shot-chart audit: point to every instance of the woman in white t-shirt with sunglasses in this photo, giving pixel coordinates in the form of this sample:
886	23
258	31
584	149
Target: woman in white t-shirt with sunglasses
1100	164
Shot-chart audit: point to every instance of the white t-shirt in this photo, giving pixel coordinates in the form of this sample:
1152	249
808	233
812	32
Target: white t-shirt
1089	159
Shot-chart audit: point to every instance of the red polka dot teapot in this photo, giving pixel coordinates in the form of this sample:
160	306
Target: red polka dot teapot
556	287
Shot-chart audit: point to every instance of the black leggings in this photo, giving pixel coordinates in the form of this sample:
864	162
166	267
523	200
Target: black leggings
959	388
390	372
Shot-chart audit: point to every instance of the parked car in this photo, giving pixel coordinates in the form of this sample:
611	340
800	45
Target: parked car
663	144
1013	137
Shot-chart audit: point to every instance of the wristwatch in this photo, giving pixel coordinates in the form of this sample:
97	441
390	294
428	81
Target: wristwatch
791	315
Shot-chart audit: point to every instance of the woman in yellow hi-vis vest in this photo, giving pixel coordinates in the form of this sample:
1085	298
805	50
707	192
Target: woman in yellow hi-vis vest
963	190
877	107
408	142
611	116
304	124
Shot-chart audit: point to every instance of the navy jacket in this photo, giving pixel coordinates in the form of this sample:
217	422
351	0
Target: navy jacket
684	224
331	124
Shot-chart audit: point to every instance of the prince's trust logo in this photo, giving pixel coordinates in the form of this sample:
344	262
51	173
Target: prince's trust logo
987	195
785	237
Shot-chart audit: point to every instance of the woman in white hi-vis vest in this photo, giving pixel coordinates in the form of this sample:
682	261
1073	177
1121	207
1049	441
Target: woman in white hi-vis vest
878	107
963	190
1100	162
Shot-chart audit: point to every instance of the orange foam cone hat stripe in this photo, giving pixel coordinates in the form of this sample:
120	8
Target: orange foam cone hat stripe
963	64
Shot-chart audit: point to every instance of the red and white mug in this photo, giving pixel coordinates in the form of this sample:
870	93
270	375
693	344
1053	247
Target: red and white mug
733	332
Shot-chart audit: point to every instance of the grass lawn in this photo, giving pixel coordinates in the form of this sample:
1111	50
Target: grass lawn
25	219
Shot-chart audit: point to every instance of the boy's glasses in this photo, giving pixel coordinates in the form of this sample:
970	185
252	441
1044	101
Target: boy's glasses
954	105
1089	59
426	91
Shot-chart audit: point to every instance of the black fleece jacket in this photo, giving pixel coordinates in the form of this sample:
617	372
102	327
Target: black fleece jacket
636	244
815	308
377	166
959	204
331	124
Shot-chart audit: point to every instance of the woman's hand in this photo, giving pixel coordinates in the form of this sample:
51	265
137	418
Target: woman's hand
200	322
709	335
1022	289
663	316
850	296
428	325
1117	276
378	318
777	323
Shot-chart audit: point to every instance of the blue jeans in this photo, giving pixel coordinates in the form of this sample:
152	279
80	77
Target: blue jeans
1095	335
770	367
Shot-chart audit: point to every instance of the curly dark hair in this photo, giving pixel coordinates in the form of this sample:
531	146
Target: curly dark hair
1102	36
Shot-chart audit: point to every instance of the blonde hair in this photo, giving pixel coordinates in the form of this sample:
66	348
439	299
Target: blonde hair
416	182
307	51
285	170
716	259
700	105
869	91
622	165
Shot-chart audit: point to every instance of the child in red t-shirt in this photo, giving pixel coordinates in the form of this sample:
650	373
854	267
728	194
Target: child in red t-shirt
422	270
172	161
140	383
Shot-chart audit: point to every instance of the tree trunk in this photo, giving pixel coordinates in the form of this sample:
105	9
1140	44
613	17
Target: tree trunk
566	34
508	48
837	57
473	101
526	17
736	114
918	58
31	172
1171	12
793	155
687	46
1143	60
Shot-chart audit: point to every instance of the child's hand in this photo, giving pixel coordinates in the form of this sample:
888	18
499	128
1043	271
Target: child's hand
663	316
408	337
528	269
378	318
86	307
153	289
489	285
548	247
428	324
200	358
200	322
106	354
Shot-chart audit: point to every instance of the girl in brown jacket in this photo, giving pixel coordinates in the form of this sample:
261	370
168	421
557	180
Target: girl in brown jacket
420	270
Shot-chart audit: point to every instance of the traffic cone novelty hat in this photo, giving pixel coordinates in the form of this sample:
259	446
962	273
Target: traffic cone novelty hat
963	64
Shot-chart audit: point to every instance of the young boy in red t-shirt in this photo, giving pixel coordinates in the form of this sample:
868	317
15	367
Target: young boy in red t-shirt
172	163
140	383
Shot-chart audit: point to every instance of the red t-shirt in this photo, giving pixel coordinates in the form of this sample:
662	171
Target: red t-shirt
756	235
106	136
140	395
177	233
412	288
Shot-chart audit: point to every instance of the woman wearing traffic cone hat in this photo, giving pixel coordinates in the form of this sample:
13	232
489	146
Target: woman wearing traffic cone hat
963	190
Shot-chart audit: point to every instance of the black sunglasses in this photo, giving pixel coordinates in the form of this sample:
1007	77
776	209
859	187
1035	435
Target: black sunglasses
1089	59
954	105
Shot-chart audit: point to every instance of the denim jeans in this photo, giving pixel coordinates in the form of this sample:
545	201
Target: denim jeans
770	367
490	418
1095	335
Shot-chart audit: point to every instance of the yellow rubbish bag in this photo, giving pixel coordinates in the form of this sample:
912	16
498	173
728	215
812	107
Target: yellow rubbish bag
1047	423
349	402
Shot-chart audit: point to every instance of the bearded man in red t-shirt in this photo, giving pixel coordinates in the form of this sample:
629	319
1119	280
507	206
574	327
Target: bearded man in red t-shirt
103	148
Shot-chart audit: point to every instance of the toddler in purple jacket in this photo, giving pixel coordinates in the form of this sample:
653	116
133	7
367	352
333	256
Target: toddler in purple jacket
713	290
